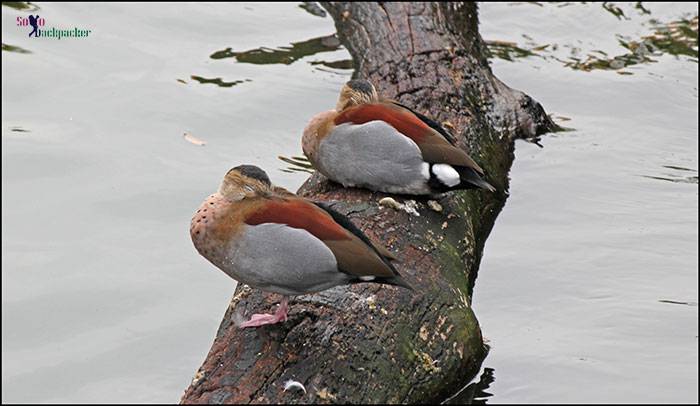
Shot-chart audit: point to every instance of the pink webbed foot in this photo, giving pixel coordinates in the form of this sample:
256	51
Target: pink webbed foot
258	320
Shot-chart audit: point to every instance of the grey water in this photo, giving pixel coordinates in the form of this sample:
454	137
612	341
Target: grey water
588	289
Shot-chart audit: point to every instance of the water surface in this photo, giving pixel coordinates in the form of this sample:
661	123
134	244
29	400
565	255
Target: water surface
601	227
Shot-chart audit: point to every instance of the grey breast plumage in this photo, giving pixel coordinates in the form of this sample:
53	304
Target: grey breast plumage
281	259
373	155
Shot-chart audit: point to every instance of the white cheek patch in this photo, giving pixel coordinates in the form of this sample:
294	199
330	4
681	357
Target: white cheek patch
446	174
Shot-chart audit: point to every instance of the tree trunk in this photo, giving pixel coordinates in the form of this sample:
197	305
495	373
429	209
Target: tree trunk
379	344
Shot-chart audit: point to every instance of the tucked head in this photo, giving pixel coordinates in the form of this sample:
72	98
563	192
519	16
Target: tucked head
356	91
243	180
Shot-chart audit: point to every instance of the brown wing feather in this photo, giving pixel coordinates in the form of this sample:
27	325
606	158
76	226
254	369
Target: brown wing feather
348	225
448	154
384	252
297	213
354	256
434	147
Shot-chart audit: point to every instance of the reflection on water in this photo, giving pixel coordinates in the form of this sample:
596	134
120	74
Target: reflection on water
510	51
313	8
679	168
12	48
694	304
677	38
675	177
21	5
283	55
613	9
342	64
218	81
689	179
474	393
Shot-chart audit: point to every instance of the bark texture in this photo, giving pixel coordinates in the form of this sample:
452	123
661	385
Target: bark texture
380	344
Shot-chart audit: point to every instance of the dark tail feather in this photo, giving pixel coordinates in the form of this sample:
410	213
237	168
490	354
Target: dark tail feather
471	178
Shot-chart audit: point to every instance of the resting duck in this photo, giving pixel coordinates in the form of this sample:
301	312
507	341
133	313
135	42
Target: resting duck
272	240
385	146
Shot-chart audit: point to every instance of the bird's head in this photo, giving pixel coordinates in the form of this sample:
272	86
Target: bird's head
243	181
356	91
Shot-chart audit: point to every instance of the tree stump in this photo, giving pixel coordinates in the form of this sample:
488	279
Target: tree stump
380	344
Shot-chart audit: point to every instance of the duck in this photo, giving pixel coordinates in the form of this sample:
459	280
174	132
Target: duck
270	239
382	145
